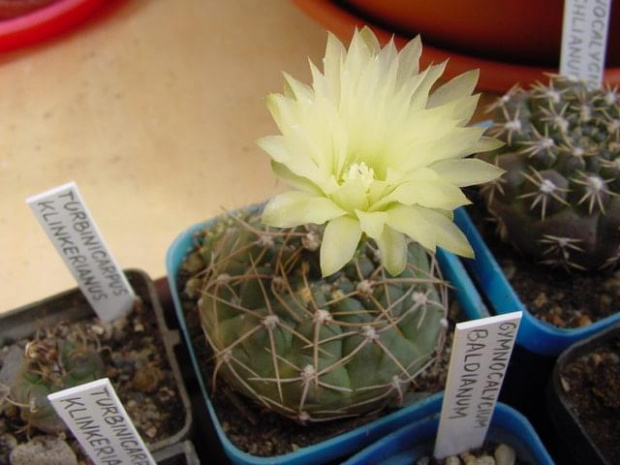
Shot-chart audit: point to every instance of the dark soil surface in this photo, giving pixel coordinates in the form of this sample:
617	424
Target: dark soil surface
136	364
592	385
566	300
263	433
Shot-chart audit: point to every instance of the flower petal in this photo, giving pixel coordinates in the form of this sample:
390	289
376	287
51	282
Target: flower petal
372	223
298	90
457	143
334	56
467	172
420	98
275	146
409	60
359	54
340	240
393	247
294	208
429	228
301	164
350	195
283	110
377	191
298	182
370	39
424	187
461	110
458	87
486	144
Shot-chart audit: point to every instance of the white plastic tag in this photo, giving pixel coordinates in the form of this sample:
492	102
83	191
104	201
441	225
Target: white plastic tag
480	353
584	40
65	218
98	420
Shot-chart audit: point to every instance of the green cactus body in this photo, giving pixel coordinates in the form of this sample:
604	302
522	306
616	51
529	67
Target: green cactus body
313	348
558	200
49	367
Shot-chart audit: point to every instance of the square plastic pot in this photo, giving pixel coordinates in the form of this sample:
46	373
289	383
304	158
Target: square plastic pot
570	434
471	306
414	441
182	453
72	306
534	335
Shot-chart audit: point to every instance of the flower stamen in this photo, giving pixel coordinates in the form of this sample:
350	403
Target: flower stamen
359	172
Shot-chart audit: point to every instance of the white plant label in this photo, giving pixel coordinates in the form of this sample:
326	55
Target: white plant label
480	353
98	420
584	40
69	225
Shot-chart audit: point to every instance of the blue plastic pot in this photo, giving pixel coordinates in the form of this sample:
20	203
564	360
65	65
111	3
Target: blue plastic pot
417	440
472	307
535	335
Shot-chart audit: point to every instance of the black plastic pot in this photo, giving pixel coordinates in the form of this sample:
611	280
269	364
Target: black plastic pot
72	306
572	440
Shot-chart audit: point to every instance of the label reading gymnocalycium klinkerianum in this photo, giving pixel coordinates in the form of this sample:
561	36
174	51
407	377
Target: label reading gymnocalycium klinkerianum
98	420
480	353
584	40
69	225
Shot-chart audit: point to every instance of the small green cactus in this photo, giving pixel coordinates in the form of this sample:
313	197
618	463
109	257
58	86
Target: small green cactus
49	366
308	347
558	200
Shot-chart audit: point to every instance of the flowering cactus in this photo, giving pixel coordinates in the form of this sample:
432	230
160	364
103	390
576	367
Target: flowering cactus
307	321
558	200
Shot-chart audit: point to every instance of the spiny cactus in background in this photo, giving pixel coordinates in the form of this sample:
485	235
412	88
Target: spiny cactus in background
558	200
313	348
48	366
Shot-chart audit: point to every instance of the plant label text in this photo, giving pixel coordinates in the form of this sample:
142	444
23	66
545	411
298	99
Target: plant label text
480	353
69	225
98	420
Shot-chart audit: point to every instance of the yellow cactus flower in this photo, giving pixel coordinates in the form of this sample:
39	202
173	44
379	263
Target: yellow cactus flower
371	151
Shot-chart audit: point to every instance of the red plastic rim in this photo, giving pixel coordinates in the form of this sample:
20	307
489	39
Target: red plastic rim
45	22
494	76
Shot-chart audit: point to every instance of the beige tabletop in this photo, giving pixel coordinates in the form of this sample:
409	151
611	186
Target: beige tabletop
153	110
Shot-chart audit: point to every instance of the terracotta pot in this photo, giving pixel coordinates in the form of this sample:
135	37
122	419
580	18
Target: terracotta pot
496	74
518	31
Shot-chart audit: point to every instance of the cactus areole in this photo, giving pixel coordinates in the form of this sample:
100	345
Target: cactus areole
308	347
558	200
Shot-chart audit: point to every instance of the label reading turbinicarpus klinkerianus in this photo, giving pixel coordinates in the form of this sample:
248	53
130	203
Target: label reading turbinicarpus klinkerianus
480	353
69	225
98	420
